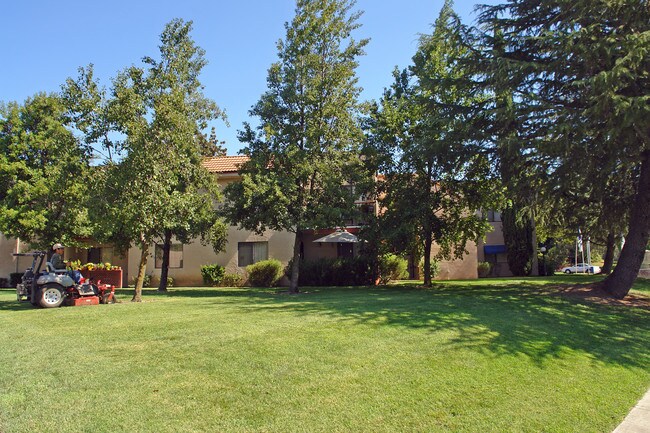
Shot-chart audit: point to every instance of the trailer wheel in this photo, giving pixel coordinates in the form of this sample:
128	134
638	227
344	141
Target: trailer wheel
50	296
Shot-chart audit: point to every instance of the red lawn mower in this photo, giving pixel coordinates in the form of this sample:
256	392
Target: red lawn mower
50	288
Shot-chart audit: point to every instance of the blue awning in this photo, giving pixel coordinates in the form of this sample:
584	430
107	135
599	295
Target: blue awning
494	249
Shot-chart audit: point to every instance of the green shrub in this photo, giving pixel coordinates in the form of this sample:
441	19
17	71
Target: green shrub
146	282
434	267
556	258
355	271
392	267
4	283
212	274
15	278
232	280
484	269
266	273
170	282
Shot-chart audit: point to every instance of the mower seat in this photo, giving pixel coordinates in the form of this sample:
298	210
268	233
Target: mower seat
51	269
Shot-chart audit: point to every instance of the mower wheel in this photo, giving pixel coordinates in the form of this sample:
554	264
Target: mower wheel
50	296
108	298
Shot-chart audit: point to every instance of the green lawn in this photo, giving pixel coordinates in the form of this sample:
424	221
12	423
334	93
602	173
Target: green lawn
480	356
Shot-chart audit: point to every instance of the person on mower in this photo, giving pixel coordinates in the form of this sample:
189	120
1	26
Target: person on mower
58	263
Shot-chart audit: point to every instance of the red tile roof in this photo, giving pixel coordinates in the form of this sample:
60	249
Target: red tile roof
224	164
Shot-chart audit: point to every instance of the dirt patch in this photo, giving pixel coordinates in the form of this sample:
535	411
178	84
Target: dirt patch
597	295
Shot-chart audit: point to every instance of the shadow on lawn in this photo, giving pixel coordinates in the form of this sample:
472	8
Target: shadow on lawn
501	319
512	317
13	305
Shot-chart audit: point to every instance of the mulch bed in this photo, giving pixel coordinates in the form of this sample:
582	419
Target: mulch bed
595	294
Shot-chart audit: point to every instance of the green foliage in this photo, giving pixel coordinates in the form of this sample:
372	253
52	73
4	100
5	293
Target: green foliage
212	274
517	234
437	175
434	267
146	281
266	273
159	188
44	171
392	267
483	269
583	64
232	280
306	145
557	257
355	271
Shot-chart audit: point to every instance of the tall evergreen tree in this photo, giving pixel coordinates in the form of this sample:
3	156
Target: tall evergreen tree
306	146
582	74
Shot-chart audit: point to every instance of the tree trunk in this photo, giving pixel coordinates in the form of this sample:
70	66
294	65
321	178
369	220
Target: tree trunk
534	267
427	259
619	282
609	253
295	265
142	268
164	271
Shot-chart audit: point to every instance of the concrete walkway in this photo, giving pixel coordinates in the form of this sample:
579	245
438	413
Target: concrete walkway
638	420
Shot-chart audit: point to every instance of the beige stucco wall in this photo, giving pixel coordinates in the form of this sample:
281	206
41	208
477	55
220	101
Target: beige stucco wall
460	269
493	237
320	250
195	255
9	263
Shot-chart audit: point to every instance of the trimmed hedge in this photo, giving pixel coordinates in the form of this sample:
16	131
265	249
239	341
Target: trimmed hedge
232	280
212	274
335	272
266	273
392	267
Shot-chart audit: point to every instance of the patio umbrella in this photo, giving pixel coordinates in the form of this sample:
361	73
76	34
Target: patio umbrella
339	236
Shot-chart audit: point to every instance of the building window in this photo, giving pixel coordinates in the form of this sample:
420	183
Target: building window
100	255
175	256
493	216
252	252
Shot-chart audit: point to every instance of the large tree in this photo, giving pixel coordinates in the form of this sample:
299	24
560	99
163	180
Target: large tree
437	172
582	69
159	189
306	145
44	170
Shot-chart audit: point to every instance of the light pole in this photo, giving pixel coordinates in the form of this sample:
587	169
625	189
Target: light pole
543	251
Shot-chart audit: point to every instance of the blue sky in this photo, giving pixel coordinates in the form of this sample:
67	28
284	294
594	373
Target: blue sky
44	42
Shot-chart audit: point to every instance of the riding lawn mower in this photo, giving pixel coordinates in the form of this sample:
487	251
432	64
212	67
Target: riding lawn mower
51	288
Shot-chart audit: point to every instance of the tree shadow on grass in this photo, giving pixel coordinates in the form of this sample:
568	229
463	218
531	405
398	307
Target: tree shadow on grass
13	305
499	319
493	317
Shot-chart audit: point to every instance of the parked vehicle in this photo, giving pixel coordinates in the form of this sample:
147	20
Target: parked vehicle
50	288
581	268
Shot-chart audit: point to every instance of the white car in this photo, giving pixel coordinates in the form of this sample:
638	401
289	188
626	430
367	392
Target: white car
582	268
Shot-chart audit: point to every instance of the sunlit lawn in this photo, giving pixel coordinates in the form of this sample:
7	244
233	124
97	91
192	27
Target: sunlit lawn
480	356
